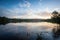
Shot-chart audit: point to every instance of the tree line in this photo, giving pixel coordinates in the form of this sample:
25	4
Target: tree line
54	18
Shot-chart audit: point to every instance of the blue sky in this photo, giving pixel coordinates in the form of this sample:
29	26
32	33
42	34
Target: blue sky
28	8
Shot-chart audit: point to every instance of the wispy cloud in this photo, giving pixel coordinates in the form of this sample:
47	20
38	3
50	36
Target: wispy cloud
20	13
25	10
40	0
25	4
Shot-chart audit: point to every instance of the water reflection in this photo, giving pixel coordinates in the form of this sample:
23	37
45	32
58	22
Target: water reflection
56	32
28	31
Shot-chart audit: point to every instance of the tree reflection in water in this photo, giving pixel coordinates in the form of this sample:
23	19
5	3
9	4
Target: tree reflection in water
56	32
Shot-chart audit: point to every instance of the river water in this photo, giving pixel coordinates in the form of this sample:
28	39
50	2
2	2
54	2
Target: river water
27	31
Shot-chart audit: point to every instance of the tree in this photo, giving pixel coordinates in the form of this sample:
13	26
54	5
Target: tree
56	17
54	14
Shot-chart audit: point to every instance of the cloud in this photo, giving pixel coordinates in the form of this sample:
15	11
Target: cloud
25	4
16	11
23	10
40	0
50	10
28	13
57	9
3	12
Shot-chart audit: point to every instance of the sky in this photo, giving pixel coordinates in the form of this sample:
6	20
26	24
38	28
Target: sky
31	9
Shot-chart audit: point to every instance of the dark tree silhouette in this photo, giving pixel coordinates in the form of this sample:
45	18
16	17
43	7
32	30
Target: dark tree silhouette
56	17
54	14
4	20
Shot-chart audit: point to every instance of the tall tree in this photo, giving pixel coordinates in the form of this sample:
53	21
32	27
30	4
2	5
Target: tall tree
56	17
54	14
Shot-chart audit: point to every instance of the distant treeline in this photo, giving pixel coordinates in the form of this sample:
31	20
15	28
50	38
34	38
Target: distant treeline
54	18
5	19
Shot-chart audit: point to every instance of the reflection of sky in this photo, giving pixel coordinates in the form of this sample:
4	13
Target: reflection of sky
28	27
29	8
31	29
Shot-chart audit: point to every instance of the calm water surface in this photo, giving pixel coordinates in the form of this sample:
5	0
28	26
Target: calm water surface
28	30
